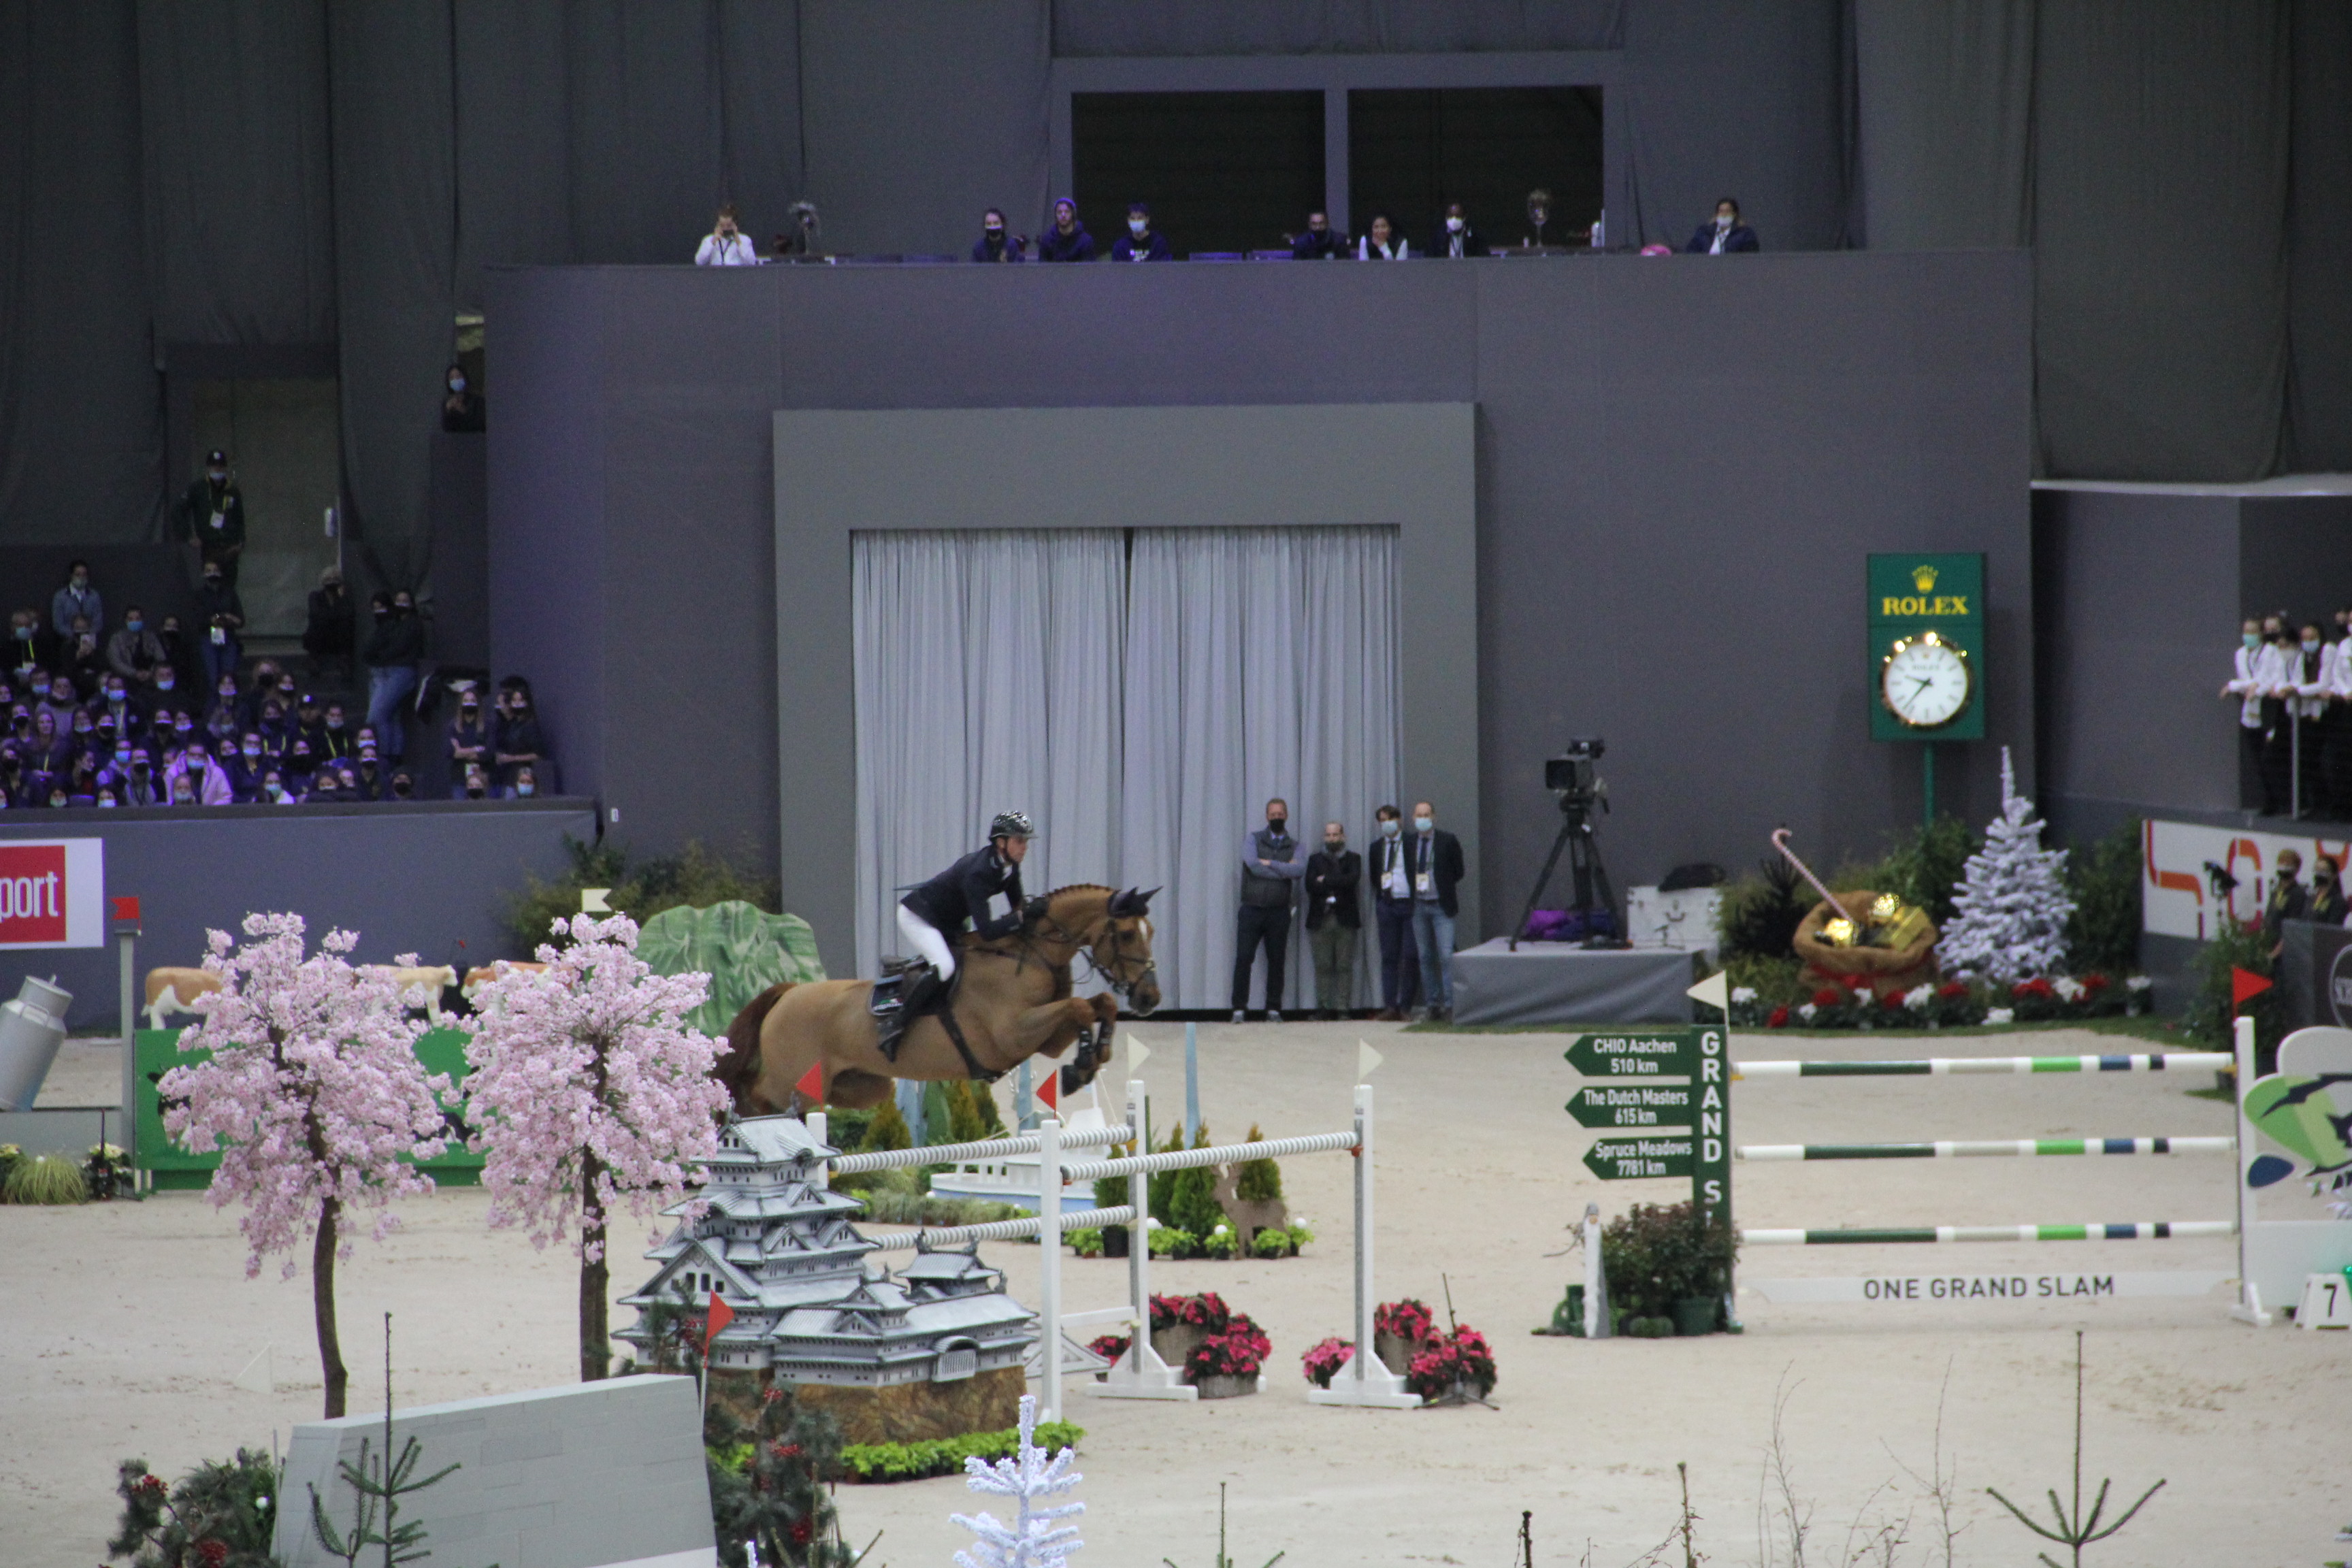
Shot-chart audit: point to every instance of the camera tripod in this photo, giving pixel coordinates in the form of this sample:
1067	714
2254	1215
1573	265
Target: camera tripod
1589	876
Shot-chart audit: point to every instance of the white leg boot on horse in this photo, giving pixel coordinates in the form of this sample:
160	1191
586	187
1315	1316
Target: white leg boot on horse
1015	1002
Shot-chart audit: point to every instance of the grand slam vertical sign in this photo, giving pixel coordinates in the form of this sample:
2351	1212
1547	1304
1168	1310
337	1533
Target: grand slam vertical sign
1694	1120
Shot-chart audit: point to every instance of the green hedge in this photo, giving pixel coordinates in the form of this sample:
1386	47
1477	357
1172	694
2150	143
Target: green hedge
945	1455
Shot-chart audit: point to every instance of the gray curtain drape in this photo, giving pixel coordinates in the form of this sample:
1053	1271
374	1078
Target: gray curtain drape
987	678
2179	168
1142	708
1260	662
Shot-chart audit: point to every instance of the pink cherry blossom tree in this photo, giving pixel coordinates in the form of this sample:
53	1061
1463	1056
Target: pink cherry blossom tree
314	1098
590	1093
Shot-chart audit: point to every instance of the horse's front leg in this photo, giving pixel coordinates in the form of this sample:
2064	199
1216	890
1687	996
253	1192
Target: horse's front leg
1051	1029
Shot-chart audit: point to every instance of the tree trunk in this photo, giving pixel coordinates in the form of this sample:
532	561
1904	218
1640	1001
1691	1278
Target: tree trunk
322	1306
595	1281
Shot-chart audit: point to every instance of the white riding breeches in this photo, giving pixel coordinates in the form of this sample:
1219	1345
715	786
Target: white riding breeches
925	938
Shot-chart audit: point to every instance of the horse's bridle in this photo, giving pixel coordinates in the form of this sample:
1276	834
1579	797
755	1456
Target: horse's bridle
1123	973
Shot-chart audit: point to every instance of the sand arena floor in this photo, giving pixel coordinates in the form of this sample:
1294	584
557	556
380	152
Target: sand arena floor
123	1326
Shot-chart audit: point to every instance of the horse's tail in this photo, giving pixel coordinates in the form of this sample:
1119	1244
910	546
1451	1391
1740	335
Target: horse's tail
739	1069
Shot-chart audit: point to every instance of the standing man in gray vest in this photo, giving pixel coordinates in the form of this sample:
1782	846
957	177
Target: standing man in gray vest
1271	863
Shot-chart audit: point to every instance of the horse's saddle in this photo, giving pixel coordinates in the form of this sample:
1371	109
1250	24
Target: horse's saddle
907	989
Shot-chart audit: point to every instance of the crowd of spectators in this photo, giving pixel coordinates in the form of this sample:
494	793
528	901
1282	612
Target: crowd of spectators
1065	239
155	712
2293	685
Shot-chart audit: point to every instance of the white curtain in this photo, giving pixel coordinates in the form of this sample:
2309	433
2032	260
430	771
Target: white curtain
988	679
1141	710
1261	662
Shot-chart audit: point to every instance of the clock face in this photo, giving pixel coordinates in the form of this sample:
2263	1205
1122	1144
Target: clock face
1925	681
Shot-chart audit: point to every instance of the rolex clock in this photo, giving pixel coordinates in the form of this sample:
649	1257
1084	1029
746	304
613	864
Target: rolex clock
1926	646
1925	681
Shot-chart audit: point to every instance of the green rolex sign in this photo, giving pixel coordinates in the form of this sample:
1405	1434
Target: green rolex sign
1926	647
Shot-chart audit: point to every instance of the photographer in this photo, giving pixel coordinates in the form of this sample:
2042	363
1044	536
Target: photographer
223	615
725	244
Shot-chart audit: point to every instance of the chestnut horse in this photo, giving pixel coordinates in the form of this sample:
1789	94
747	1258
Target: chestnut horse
1013	1002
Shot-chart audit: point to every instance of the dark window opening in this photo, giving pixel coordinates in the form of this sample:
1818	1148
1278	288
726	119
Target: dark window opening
1222	171
1413	151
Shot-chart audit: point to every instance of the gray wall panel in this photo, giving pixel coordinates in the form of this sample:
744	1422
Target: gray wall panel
2141	610
428	879
1681	466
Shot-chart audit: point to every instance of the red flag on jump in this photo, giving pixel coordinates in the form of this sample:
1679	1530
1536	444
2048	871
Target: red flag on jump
811	1087
2244	986
1049	1093
720	1315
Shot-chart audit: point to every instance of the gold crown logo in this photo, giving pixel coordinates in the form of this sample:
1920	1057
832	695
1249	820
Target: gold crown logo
1924	576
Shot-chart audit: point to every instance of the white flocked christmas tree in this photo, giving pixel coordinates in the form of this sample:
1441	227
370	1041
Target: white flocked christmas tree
2010	909
1033	1539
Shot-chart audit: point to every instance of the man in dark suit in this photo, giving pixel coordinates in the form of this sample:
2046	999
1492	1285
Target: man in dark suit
1392	907
1434	865
1334	921
1723	236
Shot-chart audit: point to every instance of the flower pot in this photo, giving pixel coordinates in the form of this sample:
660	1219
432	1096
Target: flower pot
1114	1241
1176	1343
1568	1318
1395	1354
1694	1315
1226	1388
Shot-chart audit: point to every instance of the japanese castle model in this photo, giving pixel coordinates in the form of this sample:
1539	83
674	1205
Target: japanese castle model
777	1246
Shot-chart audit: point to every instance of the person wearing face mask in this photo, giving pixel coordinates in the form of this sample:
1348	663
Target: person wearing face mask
1454	235
333	739
1141	242
297	767
227	714
403	785
331	631
179	654
195	767
470	735
1317	243
461	410
139	785
1335	921
395	647
1433	861
134	653
1271	865
223	615
2326	905
1066	240
1724	234
2305	687
273	790
212	516
1383	242
994	245
725	245
84	659
76	598
514	738
61	703
1392	909
474	785
250	766
367	777
525	786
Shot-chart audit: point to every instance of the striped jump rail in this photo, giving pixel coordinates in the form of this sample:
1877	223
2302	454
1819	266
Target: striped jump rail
1982	1148
1952	1066
2142	1231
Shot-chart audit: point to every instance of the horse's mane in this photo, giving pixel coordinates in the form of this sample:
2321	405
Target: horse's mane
1082	888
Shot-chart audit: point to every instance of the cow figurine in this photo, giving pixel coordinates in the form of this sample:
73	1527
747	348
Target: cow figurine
1248	1217
420	986
171	990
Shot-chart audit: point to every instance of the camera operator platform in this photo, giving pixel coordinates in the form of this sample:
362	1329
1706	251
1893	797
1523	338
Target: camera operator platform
1579	790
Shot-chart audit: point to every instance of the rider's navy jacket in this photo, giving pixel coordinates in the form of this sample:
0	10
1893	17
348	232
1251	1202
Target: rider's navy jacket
961	892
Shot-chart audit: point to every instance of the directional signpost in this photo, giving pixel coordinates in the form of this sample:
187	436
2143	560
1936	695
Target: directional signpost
1693	1116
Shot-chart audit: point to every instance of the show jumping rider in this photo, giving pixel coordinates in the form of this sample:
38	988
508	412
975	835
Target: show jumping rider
972	889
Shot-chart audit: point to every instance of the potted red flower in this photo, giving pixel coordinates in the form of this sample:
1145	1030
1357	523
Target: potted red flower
1228	1363
1459	1364
1399	1330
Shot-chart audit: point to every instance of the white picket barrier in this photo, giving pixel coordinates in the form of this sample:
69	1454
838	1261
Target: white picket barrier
1140	1374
